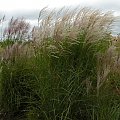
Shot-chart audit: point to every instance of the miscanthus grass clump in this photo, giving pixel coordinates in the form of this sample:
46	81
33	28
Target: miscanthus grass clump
70	71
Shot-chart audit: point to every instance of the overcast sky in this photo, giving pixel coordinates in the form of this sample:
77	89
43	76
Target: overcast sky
29	9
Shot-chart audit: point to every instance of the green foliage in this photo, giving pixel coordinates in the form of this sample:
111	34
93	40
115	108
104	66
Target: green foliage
6	43
60	80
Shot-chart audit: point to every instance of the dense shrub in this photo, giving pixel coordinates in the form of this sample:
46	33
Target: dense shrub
67	73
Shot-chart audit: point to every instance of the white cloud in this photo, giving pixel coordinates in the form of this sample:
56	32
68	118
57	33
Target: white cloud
25	5
11	5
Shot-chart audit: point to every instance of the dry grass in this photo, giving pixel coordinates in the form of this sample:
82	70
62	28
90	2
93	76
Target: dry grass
68	23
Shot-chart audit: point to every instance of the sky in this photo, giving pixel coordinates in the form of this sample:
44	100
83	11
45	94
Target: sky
29	9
